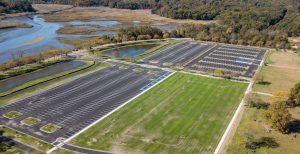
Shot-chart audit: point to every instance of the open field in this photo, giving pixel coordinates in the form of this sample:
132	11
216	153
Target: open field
205	57
254	123
50	8
66	109
123	15
281	73
184	114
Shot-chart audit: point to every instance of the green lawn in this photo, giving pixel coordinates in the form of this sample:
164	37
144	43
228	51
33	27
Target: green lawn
184	114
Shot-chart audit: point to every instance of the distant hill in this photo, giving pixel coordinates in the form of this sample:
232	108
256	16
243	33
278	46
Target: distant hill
280	15
15	6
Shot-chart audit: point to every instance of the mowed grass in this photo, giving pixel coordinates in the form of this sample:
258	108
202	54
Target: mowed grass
283	72
184	114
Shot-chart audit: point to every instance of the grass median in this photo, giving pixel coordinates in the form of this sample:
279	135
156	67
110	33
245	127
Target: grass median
184	114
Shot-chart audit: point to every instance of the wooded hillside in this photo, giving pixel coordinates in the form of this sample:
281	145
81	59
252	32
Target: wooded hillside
246	22
15	6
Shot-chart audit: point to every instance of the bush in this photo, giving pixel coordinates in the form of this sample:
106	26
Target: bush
253	101
21	61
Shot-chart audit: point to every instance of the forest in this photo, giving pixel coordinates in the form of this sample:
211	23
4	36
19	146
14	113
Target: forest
246	22
121	4
15	6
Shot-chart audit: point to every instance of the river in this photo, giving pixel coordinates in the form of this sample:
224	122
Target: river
43	36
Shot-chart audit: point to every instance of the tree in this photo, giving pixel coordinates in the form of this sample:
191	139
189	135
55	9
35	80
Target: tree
278	116
166	35
294	97
219	72
3	146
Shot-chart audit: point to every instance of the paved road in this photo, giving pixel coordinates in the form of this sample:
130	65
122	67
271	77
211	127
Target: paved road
16	144
83	150
23	147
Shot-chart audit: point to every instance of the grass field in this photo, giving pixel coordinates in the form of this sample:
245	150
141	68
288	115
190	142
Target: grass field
283	72
253	123
184	114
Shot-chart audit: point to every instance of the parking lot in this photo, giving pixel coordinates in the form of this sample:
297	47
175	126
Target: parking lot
237	61
73	106
178	55
234	60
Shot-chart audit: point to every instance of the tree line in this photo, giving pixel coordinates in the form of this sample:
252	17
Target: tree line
19	58
261	23
15	6
223	34
121	4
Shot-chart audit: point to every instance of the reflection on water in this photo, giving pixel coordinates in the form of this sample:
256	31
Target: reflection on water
26	39
129	51
14	82
43	36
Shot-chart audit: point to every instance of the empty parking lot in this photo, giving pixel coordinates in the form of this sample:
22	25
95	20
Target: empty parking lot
178	55
234	60
237	61
70	107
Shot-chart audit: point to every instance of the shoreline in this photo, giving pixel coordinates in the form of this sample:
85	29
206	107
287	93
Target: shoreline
40	10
